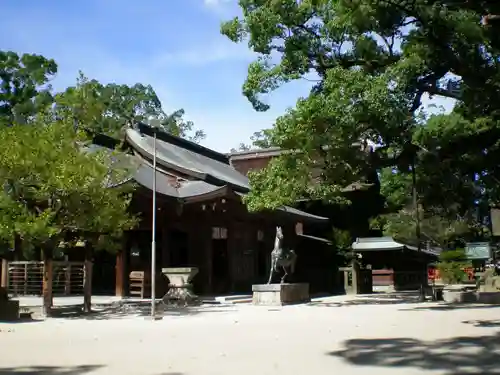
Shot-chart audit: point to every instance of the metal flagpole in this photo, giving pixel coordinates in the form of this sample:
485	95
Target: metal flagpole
153	234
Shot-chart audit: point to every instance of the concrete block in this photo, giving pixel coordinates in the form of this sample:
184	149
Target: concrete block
492	298
280	294
9	311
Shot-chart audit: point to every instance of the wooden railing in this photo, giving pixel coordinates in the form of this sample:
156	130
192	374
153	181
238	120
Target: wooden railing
384	277
26	278
408	280
398	279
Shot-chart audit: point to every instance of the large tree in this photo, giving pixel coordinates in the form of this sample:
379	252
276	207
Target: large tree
24	85
54	192
373	60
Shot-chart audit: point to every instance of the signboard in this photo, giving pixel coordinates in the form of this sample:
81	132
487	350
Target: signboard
478	250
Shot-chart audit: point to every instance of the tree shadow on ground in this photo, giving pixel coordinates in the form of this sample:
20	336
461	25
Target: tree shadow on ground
483	323
123	309
372	299
451	306
455	356
50	370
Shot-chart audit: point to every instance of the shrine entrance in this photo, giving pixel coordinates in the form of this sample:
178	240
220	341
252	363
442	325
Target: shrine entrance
221	276
178	245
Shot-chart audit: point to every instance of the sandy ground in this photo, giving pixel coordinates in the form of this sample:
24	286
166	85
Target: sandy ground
335	335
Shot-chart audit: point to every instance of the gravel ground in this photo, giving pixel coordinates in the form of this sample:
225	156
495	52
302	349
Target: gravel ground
342	335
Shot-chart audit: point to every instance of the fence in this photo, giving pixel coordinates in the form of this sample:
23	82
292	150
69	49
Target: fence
26	278
400	280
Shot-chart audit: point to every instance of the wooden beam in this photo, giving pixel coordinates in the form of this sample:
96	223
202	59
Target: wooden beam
122	268
120	273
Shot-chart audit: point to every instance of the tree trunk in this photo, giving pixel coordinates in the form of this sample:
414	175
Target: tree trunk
47	282
87	283
4	278
18	252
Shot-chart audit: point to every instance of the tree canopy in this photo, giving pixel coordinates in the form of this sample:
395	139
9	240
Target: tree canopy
24	85
53	191
107	108
372	62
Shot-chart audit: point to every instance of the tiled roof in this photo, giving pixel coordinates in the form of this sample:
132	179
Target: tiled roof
388	243
187	162
210	176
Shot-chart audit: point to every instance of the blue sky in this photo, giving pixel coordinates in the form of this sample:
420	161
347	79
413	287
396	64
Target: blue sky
174	45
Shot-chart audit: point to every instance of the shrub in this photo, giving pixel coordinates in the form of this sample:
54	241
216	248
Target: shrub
452	265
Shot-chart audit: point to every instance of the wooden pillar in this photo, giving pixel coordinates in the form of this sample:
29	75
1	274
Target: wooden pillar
67	278
121	269
231	254
87	282
48	277
120	276
5	274
206	247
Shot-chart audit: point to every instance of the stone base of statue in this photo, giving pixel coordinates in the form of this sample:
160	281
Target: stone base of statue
280	294
180	291
489	293
9	309
489	298
459	294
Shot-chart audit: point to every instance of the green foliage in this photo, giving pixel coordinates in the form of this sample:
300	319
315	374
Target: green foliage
261	139
52	190
396	187
372	62
434	228
342	242
107	108
24	88
325	129
451	266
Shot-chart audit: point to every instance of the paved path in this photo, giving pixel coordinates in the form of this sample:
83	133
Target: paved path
335	336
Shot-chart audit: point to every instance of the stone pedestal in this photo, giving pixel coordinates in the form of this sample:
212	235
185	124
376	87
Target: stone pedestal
280	294
180	288
489	298
9	309
459	294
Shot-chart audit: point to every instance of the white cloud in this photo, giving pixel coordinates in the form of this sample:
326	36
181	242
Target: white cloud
204	55
216	3
222	9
